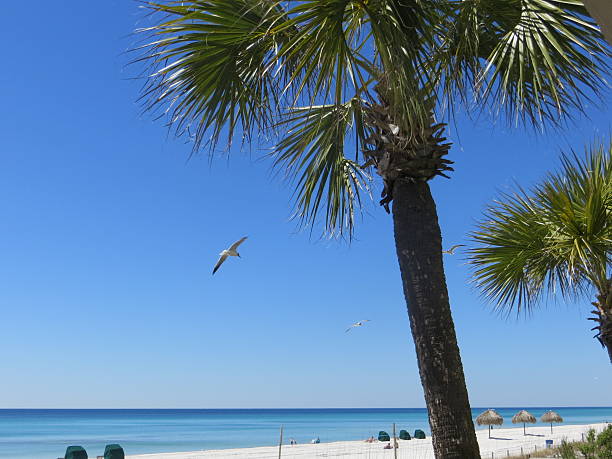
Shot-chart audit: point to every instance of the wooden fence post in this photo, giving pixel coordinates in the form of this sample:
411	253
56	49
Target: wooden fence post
394	443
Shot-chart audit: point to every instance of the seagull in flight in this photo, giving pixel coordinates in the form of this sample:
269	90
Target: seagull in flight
451	251
231	252
356	324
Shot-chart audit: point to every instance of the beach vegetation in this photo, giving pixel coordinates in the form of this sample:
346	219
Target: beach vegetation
604	442
340	91
588	447
594	446
566	450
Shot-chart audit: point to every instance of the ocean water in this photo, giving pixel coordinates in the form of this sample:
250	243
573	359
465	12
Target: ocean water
45	434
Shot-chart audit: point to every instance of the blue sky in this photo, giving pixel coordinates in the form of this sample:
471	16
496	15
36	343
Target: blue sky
108	236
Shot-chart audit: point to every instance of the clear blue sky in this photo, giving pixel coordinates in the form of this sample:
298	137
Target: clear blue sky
108	236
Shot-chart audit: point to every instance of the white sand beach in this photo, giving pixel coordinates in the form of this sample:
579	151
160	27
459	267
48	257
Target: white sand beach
503	442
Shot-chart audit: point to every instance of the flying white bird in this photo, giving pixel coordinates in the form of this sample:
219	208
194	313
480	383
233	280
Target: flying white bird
231	252
356	324
451	251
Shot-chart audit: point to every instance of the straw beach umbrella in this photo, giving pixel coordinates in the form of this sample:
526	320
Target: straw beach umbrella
524	417
551	416
489	417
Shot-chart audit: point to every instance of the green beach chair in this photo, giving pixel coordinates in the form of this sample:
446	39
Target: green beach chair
75	452
404	435
383	436
419	434
114	451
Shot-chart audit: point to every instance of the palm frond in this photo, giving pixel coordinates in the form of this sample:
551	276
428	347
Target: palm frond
537	60
312	155
211	65
322	59
556	237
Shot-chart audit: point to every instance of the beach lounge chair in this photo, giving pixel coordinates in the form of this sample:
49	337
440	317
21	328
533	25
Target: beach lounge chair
114	451
404	435
75	452
419	434
383	436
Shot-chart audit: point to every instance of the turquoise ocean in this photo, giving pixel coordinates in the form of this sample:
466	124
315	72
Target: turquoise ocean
45	434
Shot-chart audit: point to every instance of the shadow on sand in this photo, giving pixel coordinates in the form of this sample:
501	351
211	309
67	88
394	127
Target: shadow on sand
499	438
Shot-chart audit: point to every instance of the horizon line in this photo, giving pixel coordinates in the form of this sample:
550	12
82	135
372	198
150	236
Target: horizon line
312	408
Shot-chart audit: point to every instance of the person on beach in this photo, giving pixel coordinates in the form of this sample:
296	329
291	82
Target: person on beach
387	446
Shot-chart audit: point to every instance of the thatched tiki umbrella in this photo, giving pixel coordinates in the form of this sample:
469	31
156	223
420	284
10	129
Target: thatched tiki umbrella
524	417
490	417
551	416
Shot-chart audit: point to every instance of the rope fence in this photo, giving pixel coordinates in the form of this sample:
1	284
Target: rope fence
502	444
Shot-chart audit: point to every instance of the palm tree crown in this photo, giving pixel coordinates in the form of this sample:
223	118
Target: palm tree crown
342	85
557	237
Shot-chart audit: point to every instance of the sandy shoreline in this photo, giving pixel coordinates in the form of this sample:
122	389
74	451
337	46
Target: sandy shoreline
503	442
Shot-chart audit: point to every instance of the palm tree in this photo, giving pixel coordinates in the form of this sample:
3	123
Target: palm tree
557	237
343	88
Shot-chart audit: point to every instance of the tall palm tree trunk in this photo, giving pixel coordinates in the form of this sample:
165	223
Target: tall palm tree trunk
603	316
605	332
606	336
419	250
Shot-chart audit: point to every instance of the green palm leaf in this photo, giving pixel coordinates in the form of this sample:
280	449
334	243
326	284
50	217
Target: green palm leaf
312	155
556	237
535	59
212	65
